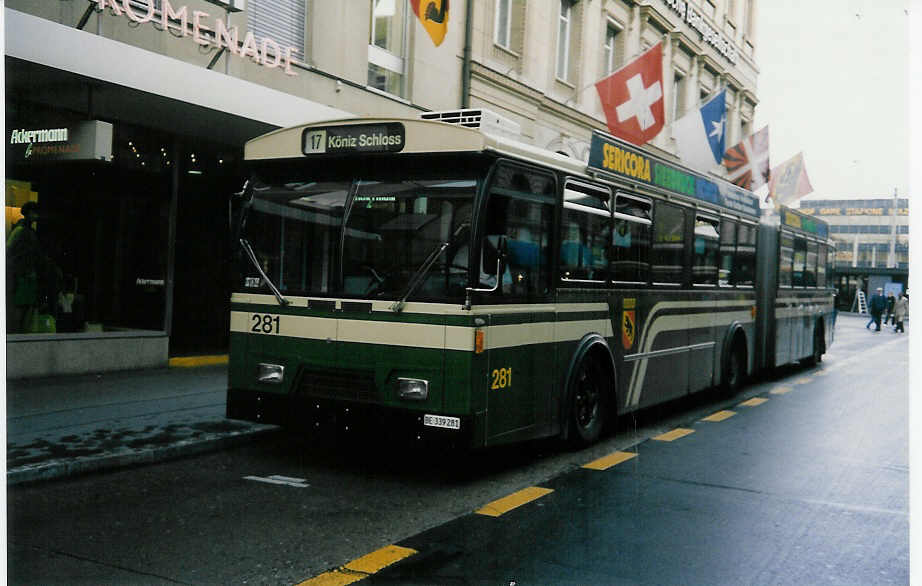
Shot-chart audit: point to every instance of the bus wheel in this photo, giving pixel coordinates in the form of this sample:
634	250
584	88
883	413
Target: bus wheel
587	404
735	372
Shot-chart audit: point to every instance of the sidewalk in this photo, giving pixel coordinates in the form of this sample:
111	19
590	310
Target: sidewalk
70	425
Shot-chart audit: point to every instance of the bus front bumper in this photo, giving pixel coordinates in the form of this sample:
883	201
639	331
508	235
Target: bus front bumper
328	416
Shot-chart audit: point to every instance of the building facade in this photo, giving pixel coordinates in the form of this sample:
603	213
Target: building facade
126	121
872	243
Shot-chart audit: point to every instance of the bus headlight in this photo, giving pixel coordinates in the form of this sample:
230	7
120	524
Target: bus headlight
270	373
413	389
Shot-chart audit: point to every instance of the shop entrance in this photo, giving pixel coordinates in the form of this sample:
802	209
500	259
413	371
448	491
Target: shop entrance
209	174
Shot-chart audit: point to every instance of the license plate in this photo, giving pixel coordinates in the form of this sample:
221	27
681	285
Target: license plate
442	421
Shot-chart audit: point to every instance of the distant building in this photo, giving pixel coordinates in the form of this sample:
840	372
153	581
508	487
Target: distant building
872	240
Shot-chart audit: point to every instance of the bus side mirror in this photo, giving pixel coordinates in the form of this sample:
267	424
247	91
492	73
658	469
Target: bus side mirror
240	204
502	249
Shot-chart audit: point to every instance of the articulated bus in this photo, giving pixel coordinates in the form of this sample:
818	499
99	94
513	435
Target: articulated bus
449	282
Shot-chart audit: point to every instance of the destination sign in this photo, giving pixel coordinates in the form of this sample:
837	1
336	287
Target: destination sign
387	137
804	222
611	156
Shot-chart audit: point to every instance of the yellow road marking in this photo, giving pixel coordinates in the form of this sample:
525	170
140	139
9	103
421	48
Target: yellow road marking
514	500
361	568
753	402
189	361
606	462
781	389
720	416
803	380
674	434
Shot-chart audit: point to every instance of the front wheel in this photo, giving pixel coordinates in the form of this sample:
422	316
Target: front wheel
587	404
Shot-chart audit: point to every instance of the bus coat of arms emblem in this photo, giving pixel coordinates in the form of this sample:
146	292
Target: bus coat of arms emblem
627	329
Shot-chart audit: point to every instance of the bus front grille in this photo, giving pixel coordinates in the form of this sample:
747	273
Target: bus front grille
348	385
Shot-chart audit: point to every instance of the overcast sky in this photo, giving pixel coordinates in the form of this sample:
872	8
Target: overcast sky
833	83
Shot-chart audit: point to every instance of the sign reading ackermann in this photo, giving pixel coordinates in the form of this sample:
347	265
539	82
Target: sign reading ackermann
611	156
91	140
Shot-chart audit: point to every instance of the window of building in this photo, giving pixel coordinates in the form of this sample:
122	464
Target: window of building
613	50
563	41
519	212
281	20
585	233
668	244
706	247
678	93
748	18
744	263
387	46
502	34
631	239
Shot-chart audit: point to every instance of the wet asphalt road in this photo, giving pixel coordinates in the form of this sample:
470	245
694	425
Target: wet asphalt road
809	486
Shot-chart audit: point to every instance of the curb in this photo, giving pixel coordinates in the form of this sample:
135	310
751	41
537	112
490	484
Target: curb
57	469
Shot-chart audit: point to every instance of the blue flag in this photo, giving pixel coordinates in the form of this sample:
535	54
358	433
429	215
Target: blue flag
701	134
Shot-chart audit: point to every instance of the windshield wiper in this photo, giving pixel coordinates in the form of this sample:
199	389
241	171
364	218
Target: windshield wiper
252	256
417	277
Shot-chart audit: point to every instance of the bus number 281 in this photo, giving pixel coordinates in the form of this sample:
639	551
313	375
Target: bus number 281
263	323
502	378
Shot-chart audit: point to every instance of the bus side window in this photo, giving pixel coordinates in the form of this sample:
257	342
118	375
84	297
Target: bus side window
821	259
585	230
810	269
726	254
785	260
668	243
800	262
520	207
707	242
744	263
631	239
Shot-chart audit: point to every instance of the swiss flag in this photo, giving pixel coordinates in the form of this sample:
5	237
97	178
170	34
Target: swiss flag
632	98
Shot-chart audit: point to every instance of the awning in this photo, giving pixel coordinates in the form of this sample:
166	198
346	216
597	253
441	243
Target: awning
41	41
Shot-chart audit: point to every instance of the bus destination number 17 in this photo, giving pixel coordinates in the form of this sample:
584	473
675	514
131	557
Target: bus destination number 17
315	142
264	323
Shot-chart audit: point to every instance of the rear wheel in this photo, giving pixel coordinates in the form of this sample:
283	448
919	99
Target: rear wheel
587	404
735	373
818	347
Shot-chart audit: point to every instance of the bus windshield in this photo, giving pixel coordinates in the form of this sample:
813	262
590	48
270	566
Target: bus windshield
375	236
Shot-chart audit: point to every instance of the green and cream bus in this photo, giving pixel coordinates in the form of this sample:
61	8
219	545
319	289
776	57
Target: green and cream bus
447	281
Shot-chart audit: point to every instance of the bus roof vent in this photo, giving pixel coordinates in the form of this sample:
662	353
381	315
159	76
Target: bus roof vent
487	121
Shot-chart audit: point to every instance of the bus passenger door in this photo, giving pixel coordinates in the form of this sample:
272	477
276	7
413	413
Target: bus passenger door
515	237
520	374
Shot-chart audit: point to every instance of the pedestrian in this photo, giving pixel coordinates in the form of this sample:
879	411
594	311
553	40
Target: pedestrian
888	318
23	259
876	306
900	309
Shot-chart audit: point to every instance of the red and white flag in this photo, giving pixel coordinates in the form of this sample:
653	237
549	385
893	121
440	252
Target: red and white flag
747	162
632	98
789	181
